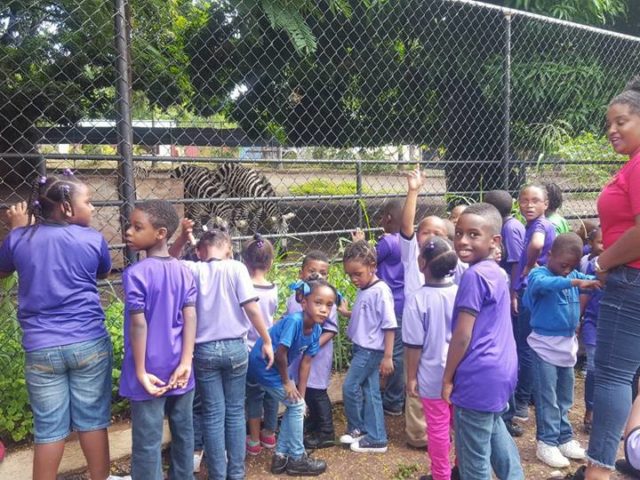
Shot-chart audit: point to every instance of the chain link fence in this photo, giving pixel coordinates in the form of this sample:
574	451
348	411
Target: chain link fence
302	125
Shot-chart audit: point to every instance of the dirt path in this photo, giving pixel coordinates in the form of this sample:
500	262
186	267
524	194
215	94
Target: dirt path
400	462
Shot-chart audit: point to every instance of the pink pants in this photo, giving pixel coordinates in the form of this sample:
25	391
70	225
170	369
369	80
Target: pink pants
439	416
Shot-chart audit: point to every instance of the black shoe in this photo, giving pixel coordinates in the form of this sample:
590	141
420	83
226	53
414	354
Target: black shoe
279	464
514	429
306	466
578	475
455	473
316	441
625	467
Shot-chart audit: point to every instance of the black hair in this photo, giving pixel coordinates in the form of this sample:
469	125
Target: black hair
489	213
315	255
629	96
567	243
539	186
593	233
391	207
554	195
451	229
501	199
49	193
215	237
161	215
360	251
314	282
440	256
586	228
257	253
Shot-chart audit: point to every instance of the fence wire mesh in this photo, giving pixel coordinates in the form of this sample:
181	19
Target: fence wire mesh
302	124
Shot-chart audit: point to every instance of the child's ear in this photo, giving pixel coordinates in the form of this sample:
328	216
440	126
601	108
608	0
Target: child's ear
161	233
496	241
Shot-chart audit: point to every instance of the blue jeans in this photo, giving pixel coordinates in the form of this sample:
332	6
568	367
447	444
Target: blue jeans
146	421
617	359
198	441
291	437
553	391
590	350
394	390
483	443
525	358
69	387
262	405
361	394
221	374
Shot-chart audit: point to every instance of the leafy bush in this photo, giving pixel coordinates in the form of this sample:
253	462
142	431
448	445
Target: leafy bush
323	187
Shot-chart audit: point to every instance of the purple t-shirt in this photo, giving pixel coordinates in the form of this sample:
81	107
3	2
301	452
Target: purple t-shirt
159	287
390	268
320	374
513	242
589	325
486	376
224	287
371	315
539	225
57	265
426	325
268	303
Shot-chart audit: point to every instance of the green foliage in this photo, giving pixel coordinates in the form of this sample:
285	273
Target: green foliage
598	12
323	187
114	320
406	471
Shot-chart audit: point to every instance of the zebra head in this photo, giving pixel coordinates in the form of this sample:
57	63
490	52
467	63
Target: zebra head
279	224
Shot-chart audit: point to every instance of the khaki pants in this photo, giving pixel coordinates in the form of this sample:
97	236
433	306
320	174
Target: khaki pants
415	424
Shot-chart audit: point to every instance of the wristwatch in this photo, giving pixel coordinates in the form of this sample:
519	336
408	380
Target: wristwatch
597	266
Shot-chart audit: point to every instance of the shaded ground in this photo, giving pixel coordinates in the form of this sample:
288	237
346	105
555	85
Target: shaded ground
400	462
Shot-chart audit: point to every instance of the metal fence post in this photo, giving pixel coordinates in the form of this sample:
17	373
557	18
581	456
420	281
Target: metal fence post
506	146
126	187
359	191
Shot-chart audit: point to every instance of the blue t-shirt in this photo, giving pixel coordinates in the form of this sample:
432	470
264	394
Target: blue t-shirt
513	243
57	265
288	332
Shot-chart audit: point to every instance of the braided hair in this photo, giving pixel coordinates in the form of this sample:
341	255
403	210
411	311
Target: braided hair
308	286
440	257
49	193
257	253
630	96
217	236
362	252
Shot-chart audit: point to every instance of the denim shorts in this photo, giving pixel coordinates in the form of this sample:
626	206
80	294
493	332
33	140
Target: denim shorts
69	388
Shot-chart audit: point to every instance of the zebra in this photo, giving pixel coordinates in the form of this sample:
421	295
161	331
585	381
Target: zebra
198	185
249	216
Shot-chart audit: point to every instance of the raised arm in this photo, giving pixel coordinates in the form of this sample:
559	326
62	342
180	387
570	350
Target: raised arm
415	181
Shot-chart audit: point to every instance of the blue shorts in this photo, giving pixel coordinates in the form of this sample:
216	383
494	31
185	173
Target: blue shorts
69	388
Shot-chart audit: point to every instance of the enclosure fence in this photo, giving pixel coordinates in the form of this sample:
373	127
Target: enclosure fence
299	119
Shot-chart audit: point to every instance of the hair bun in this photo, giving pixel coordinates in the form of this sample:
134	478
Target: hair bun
633	84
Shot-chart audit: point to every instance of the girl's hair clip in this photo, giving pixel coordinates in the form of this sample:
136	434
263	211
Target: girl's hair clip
35	204
42	180
66	189
300	285
259	240
339	297
431	245
67	172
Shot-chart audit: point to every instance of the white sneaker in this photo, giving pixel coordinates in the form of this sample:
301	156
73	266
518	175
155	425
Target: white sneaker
197	460
551	456
116	477
573	450
351	437
364	446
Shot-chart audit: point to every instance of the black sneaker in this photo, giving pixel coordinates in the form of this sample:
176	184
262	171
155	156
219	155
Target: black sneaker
316	441
279	463
514	429
578	475
455	475
305	466
625	467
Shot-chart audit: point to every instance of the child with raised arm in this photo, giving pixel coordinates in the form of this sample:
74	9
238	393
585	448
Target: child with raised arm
481	368
225	295
372	327
319	428
58	259
552	296
426	333
262	409
159	334
295	335
538	237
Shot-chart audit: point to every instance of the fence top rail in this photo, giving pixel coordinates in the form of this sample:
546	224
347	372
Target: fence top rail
512	12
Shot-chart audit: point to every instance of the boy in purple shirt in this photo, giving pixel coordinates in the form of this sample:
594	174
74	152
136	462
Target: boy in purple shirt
159	337
512	233
481	368
552	296
539	235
